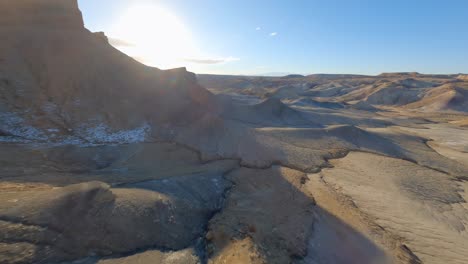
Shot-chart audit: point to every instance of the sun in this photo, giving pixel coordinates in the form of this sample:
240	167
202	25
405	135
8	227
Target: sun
154	36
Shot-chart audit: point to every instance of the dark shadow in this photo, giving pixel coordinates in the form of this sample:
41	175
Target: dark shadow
285	224
335	242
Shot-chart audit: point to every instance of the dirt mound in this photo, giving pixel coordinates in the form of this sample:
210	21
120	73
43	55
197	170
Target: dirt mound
393	94
288	91
314	103
328	89
272	106
363	105
463	77
444	98
271	112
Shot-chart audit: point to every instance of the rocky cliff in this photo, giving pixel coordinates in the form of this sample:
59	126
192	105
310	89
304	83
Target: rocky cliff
59	82
57	14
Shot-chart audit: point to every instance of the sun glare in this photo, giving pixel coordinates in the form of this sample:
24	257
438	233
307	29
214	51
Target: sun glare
153	36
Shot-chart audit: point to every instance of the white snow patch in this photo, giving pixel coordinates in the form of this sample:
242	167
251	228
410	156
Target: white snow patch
13	124
103	134
49	107
88	134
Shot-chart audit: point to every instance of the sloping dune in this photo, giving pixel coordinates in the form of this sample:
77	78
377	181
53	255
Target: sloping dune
444	98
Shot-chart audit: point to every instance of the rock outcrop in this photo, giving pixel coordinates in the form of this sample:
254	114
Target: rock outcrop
48	14
66	84
447	97
463	77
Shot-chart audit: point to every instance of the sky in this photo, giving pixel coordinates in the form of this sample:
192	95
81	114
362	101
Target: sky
257	37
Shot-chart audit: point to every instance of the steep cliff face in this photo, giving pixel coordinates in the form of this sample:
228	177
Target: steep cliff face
60	82
44	13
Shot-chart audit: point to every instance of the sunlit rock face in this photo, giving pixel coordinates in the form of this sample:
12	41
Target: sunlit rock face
43	13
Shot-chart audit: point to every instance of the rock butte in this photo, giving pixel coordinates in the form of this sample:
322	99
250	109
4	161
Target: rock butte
106	160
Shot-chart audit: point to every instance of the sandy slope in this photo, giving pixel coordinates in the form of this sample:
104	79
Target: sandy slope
426	208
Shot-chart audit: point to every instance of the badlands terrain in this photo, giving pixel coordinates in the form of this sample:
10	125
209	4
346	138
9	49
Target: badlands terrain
105	160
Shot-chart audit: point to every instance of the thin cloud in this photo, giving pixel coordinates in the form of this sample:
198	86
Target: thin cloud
120	42
211	61
272	34
258	28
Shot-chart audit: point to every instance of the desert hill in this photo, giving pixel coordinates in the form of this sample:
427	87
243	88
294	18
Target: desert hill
65	79
387	89
444	98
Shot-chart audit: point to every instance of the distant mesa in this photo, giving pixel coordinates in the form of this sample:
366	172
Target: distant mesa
273	74
293	76
334	76
399	74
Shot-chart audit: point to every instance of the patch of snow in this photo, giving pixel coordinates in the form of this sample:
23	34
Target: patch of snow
14	125
49	107
103	134
71	140
10	139
17	131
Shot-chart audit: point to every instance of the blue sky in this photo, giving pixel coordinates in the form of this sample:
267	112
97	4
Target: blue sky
314	36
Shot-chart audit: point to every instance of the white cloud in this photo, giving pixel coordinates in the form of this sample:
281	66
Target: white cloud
211	60
258	28
272	34
116	42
